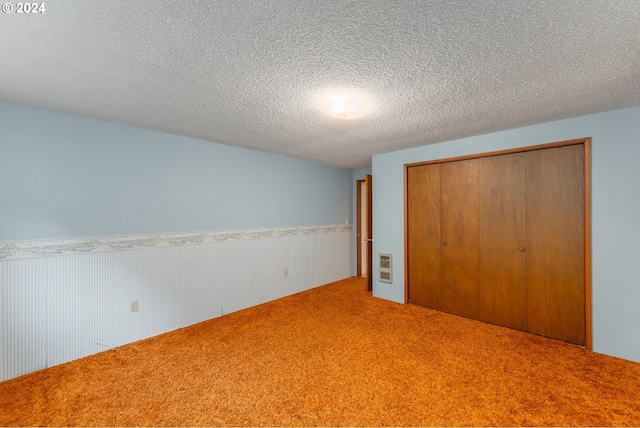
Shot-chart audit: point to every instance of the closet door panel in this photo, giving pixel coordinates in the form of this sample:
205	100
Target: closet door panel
555	243
502	292
460	256
423	252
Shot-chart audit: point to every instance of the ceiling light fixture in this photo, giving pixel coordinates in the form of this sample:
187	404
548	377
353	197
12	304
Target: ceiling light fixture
344	106
344	103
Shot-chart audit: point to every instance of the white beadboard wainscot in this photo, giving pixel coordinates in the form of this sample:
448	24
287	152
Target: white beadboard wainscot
65	300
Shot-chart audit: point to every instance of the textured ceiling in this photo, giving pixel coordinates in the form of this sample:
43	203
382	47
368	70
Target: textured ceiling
248	73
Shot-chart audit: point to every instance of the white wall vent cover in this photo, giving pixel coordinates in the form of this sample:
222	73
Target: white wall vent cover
386	268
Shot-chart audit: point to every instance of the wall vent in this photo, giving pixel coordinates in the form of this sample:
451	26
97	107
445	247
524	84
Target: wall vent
386	268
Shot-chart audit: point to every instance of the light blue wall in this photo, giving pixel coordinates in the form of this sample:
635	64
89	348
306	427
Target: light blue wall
69	176
615	214
358	174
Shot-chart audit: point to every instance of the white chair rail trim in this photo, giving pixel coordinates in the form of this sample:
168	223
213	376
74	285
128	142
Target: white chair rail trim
33	249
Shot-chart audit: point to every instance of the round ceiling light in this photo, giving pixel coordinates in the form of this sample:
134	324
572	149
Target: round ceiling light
344	103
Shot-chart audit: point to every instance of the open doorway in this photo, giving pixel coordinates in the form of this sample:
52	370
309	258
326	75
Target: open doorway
364	238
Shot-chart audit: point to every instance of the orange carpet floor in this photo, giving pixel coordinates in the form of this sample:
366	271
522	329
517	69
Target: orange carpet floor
332	356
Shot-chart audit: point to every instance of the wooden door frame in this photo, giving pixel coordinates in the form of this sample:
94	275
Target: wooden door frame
359	227
369	232
587	216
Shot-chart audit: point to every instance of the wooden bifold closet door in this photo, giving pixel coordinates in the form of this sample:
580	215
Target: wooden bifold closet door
502	284
556	243
500	239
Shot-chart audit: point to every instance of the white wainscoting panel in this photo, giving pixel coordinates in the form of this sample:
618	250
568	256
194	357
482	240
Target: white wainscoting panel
63	302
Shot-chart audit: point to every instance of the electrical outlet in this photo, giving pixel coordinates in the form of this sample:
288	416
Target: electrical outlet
133	306
286	273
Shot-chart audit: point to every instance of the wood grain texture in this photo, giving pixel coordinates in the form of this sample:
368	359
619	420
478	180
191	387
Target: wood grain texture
583	141
502	286
460	252
587	245
369	246
359	236
501	221
555	241
424	237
